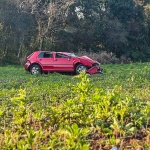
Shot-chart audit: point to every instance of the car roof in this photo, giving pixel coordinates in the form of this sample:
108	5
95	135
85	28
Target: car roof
66	53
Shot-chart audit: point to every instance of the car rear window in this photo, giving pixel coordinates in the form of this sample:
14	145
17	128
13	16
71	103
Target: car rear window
45	55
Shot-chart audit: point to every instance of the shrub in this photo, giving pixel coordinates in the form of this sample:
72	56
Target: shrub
106	57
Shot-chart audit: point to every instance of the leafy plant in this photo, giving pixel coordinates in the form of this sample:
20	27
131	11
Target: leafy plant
84	112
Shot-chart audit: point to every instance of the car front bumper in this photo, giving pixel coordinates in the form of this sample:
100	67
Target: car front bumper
95	69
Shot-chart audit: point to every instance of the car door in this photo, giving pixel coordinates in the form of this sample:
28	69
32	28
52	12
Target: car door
63	62
46	60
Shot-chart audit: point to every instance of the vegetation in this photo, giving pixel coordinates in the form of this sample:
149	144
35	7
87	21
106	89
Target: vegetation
55	111
119	27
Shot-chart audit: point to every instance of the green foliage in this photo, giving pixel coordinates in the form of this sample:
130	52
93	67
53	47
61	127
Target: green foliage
83	112
116	26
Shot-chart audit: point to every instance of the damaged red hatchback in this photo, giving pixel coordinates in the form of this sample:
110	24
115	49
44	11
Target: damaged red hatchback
45	61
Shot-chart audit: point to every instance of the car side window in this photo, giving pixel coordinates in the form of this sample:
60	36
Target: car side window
45	55
58	55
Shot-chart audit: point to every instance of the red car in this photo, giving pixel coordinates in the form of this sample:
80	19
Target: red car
45	61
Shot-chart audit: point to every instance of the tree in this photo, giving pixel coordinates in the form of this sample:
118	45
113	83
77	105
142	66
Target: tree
120	27
50	17
15	26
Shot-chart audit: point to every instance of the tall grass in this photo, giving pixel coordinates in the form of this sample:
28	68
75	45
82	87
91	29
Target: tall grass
82	112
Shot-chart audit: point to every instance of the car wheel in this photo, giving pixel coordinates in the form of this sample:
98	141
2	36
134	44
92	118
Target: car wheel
35	69
80	68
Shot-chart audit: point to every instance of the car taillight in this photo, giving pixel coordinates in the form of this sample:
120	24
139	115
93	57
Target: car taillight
27	62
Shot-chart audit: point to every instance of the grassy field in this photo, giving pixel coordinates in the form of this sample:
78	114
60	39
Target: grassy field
65	112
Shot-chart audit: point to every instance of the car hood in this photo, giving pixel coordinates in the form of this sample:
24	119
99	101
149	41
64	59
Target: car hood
87	59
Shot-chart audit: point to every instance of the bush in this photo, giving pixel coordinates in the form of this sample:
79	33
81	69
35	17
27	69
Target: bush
105	57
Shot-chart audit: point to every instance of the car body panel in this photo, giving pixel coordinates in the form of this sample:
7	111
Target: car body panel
92	70
61	62
47	61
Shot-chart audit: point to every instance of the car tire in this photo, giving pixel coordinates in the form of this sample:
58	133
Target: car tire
35	69
80	68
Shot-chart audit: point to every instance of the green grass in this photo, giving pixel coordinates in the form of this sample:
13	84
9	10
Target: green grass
56	111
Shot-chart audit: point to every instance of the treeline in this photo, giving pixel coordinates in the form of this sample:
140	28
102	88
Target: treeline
121	27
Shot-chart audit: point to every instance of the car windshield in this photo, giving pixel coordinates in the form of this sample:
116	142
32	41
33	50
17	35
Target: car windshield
73	55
